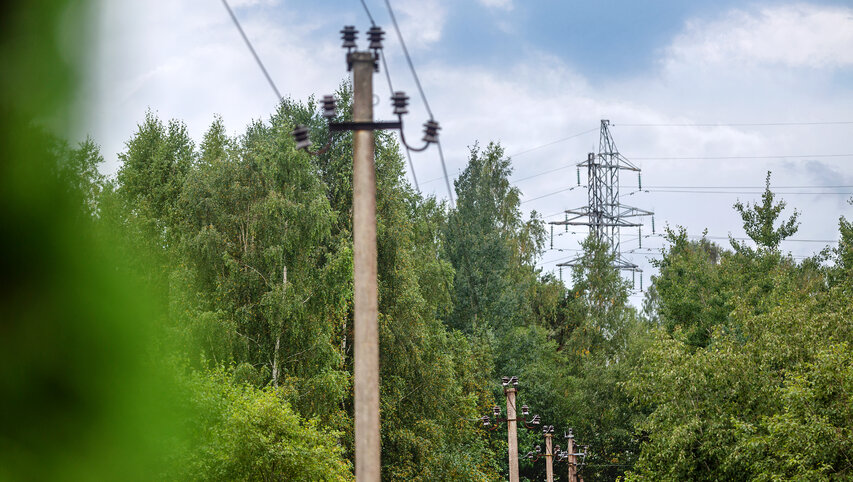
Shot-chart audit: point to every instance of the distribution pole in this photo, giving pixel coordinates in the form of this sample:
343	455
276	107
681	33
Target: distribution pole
549	458
573	469
512	433
366	332
365	293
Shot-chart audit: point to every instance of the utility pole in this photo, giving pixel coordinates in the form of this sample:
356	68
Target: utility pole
365	297
366	331
512	432
549	457
510	385
570	450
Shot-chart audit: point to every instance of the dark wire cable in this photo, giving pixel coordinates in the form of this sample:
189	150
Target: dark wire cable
391	90
553	142
367	11
550	194
444	168
252	49
748	124
423	97
408	58
723	158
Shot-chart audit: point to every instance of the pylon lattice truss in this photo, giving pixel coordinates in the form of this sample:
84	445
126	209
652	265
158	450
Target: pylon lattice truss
605	214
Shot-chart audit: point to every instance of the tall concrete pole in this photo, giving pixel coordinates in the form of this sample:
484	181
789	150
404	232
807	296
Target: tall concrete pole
549	457
512	434
573	469
366	331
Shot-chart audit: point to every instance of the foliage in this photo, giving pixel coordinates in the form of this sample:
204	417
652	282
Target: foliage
239	432
491	247
759	221
750	377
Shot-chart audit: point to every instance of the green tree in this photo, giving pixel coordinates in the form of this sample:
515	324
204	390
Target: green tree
759	221
492	248
691	288
239	432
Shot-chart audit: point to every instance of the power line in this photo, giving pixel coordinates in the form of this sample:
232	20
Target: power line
723	158
553	142
746	124
811	186
408	58
674	191
550	194
421	91
367	11
391	89
252	49
535	148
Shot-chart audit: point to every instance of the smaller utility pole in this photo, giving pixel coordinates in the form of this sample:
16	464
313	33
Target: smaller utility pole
549	455
510	385
573	469
512	431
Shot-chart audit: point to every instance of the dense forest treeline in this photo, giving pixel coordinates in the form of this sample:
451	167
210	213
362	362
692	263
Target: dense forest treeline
738	368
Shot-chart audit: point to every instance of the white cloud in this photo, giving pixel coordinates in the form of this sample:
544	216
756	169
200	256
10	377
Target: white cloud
792	36
421	21
498	4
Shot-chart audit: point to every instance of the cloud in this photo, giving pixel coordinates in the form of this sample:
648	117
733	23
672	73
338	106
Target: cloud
800	35
421	21
497	4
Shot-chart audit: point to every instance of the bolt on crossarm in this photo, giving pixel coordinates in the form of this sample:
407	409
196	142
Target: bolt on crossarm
363	64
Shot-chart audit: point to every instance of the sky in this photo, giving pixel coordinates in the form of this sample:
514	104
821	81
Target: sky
704	96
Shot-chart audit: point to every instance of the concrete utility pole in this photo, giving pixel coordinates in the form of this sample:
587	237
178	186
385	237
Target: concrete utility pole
365	297
573	468
512	433
549	457
366	331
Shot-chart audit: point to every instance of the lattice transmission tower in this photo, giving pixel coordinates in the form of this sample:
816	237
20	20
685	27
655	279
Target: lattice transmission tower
605	214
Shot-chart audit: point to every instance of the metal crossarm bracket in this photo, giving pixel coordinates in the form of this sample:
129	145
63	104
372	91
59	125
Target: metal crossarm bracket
363	126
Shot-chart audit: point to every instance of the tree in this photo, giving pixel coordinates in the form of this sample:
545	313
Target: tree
239	432
490	246
759	221
691	290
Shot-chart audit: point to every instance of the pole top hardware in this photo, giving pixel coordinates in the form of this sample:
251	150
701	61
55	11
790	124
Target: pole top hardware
348	35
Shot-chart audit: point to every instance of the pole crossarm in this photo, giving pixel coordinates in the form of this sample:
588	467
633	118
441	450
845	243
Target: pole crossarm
364	126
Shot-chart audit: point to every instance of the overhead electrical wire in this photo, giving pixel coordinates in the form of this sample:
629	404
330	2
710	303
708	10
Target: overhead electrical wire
563	139
367	11
252	49
535	148
739	124
677	191
725	158
422	94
